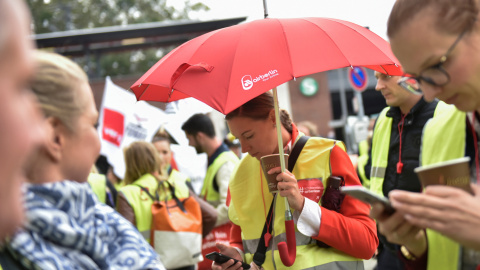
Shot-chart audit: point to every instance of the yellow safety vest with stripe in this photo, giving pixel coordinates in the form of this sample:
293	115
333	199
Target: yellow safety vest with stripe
248	188
447	127
381	145
211	194
98	183
142	203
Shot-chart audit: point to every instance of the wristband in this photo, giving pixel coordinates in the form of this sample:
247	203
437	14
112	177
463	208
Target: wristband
409	256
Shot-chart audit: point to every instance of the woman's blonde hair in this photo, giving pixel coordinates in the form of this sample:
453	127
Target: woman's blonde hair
56	83
141	158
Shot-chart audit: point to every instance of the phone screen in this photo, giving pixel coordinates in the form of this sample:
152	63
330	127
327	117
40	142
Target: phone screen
221	258
369	197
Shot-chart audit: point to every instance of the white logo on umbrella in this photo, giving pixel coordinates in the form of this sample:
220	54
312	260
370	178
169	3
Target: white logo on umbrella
247	82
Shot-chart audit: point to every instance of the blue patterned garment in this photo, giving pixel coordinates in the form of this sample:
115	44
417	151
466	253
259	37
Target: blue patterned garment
67	228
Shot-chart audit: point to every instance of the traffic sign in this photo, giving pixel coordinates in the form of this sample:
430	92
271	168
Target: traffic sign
357	76
308	87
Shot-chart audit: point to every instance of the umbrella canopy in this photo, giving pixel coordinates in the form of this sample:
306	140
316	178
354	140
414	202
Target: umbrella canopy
230	66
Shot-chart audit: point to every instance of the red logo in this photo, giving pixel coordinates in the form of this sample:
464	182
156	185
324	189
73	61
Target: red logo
311	188
113	122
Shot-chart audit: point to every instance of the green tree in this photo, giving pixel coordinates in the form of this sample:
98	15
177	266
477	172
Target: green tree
62	15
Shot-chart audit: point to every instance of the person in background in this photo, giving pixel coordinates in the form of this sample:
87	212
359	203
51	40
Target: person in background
20	118
201	135
308	128
438	45
144	169
395	150
161	142
102	187
114	179
234	145
63	215
364	147
347	236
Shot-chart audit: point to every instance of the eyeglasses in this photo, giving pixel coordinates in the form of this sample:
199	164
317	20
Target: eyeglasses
435	75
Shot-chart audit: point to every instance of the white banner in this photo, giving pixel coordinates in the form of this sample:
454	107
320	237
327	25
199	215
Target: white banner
123	120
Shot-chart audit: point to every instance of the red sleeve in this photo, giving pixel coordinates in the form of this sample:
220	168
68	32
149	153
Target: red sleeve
352	230
236	237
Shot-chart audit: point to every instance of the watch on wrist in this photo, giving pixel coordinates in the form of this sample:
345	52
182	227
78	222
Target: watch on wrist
409	256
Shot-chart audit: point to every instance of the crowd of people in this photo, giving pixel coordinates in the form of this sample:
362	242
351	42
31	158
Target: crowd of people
56	212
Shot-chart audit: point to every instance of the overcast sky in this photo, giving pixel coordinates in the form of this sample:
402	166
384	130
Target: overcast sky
371	13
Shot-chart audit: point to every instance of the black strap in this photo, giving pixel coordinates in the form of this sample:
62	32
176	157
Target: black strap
297	148
172	191
259	256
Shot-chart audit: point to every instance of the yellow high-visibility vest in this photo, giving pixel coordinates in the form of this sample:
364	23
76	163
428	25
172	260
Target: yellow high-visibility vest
246	210
447	127
211	194
98	183
142	203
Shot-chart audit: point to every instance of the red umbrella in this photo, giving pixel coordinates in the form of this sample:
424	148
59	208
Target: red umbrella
228	67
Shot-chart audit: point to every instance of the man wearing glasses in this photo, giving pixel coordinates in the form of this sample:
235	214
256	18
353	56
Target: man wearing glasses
395	151
438	132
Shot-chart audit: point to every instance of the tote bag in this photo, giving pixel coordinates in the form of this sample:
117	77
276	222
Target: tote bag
176	232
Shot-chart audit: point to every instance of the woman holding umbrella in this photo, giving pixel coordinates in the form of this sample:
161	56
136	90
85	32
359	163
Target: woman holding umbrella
340	239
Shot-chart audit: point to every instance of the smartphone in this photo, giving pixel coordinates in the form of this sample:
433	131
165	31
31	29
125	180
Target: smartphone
221	258
365	195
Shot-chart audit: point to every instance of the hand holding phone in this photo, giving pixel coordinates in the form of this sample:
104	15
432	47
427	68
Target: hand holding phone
365	195
221	258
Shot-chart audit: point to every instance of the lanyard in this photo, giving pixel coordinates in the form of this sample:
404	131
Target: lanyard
400	131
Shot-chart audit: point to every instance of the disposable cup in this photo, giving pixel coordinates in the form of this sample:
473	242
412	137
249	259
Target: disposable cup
455	172
269	162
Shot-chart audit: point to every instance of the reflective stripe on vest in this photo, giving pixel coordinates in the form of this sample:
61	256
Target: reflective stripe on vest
248	188
448	127
250	246
380	146
357	265
146	234
212	195
98	183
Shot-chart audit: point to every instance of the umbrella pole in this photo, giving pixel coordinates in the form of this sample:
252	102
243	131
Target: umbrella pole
265	11
278	123
288	251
